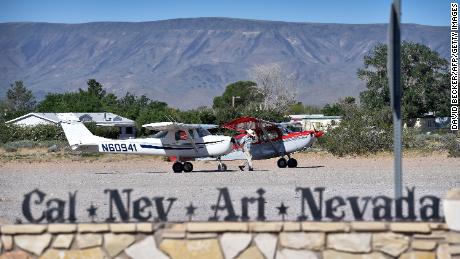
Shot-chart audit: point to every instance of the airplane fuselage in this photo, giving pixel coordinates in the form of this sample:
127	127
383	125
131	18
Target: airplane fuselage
208	146
290	143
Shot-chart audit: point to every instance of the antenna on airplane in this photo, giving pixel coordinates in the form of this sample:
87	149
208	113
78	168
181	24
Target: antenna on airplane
170	118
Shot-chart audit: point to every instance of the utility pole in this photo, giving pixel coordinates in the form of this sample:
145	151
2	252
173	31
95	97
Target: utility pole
394	79
233	100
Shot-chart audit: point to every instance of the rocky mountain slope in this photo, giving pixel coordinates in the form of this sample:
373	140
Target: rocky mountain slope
186	62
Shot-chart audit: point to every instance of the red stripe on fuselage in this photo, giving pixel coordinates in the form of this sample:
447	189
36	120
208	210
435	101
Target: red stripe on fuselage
297	134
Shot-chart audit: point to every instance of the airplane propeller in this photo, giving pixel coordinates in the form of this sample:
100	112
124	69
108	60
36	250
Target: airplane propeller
317	133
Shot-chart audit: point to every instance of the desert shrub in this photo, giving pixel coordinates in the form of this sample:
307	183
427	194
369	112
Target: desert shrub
11	133
15	145
438	141
412	138
361	132
452	144
48	132
10	148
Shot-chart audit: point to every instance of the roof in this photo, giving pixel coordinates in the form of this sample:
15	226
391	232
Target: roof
100	118
314	117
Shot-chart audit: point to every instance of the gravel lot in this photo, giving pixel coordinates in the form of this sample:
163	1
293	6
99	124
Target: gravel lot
152	177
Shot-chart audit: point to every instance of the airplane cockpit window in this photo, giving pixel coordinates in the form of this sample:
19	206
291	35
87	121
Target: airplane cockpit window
182	135
160	134
284	130
203	132
271	134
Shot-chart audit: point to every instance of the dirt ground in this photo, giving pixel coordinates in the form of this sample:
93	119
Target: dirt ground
57	175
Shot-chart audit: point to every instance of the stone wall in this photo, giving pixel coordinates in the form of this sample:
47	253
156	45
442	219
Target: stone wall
252	240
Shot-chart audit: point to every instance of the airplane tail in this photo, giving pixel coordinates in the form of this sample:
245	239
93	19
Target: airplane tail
78	135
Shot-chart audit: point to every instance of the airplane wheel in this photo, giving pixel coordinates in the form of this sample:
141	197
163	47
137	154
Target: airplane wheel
222	167
178	167
188	167
292	163
282	163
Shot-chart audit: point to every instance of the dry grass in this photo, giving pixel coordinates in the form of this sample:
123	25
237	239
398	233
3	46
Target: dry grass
43	155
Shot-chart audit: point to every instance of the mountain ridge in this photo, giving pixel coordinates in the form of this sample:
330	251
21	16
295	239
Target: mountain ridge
188	61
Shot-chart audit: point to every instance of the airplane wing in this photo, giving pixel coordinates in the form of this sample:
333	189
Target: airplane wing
244	123
158	126
260	126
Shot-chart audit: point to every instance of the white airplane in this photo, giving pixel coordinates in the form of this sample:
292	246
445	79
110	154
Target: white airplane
183	141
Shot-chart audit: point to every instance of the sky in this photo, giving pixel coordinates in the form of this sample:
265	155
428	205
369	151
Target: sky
427	12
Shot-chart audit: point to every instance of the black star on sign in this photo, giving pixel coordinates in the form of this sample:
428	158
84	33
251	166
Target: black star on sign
92	212
282	210
190	211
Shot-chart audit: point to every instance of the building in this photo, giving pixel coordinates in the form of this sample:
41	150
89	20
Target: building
429	122
316	121
126	126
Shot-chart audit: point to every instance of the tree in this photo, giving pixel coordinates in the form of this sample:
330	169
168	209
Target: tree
339	108
95	89
277	88
3	112
242	93
425	81
300	108
94	99
19	98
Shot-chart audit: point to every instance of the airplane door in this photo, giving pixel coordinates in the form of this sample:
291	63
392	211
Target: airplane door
272	144
183	142
181	138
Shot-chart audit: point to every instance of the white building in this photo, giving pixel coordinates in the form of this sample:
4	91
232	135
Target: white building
126	126
429	123
316	121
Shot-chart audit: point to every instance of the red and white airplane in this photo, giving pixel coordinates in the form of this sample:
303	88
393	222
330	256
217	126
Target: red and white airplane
272	140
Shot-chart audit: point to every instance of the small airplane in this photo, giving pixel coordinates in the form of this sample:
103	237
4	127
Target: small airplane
272	140
183	141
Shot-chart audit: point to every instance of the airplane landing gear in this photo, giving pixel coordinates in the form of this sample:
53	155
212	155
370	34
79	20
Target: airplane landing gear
282	163
188	167
178	167
292	163
221	167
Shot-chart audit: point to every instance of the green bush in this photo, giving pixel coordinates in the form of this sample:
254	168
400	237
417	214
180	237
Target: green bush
48	132
60	144
361	132
11	132
412	139
452	144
